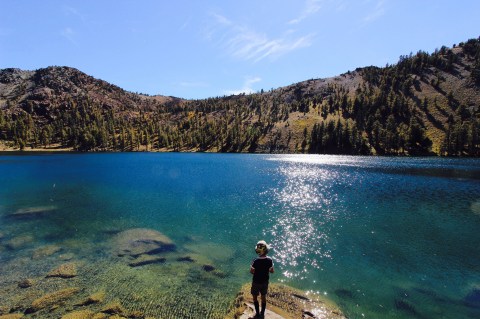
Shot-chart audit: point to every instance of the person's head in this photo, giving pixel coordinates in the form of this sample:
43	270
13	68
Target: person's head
262	248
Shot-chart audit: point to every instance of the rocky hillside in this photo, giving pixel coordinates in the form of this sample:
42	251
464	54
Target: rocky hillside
426	104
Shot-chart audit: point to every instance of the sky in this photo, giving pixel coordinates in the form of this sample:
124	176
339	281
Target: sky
198	49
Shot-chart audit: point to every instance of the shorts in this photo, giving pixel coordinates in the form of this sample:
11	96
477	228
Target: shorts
259	288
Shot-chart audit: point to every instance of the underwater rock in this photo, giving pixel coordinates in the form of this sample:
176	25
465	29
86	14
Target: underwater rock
67	270
19	242
26	283
2	235
33	211
45	251
67	256
95	298
344	293
80	314
406	307
475	207
473	298
187	259
208	268
139	241
146	260
51	299
12	316
136	314
113	308
285	302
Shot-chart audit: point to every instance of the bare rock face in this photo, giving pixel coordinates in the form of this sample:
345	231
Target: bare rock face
67	270
138	241
51	299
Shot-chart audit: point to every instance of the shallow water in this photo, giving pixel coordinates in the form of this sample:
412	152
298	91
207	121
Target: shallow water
382	237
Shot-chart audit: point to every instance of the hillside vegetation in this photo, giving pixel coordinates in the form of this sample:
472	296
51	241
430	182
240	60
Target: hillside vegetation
426	104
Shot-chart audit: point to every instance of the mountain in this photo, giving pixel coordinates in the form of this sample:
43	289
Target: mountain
426	104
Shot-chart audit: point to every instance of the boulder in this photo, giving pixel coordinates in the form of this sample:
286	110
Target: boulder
45	251
51	299
67	270
139	241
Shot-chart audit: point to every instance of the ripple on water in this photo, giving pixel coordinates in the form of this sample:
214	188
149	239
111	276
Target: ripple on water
475	207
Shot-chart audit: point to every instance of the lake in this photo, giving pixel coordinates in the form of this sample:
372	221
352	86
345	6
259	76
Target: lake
382	237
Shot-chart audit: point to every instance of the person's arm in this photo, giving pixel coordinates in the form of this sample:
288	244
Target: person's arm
271	268
252	269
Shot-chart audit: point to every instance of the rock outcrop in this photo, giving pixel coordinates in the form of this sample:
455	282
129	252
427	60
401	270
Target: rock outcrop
285	303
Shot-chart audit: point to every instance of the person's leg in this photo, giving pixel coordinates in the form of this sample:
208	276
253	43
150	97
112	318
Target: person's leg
264	304
255	303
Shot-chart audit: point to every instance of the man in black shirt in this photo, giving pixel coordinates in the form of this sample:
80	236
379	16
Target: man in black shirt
261	267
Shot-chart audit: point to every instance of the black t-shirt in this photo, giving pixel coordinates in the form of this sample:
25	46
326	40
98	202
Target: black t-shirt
262	266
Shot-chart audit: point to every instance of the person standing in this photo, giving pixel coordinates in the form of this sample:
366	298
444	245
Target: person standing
261	268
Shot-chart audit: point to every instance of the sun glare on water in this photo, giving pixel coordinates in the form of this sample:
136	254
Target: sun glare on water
305	201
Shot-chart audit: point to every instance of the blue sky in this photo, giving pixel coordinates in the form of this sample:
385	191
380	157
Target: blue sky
199	49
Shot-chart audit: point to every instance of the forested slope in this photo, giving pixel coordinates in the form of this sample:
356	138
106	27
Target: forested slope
426	104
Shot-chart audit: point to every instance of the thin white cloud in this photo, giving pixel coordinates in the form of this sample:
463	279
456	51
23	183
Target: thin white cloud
311	7
69	34
245	43
193	84
247	86
377	12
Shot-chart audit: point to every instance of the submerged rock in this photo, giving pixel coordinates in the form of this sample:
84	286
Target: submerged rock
33	211
140	241
51	299
94	298
208	268
406	307
81	314
45	251
67	270
19	242
26	283
344	293
146	260
473	298
187	259
113	308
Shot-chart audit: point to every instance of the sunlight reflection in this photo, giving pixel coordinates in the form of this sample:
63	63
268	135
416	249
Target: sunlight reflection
300	231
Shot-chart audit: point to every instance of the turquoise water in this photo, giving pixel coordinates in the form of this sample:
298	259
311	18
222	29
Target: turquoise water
381	237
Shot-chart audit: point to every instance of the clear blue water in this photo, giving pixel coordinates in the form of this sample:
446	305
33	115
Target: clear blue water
381	237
